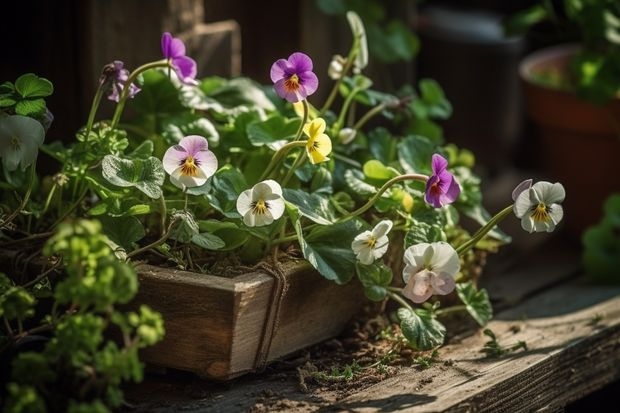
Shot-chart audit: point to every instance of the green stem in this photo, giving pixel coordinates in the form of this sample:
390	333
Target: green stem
277	157
93	110
132	77
399	299
163	213
71	208
154	244
301	157
453	309
463	248
348	65
368	115
343	111
22	204
304	119
48	200
385	187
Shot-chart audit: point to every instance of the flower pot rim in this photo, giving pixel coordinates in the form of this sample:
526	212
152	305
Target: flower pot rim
556	56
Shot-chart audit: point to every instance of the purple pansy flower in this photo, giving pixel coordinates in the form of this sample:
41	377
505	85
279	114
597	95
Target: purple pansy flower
441	187
293	78
113	78
190	163
174	51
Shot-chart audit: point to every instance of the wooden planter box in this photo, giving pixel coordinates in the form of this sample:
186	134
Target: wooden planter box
221	328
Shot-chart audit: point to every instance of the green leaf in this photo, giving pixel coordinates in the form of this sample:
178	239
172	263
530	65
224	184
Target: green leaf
226	185
476	301
273	129
421	329
31	108
175	128
147	175
415	154
186	226
124	231
142	151
355	181
312	206
208	241
377	171
434	98
229	232
30	85
328	249
375	278
241	92
6	102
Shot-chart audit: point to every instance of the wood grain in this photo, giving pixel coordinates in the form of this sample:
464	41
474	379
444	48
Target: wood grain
215	325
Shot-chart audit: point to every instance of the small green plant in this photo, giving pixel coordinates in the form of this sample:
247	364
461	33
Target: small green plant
493	348
595	25
85	346
601	245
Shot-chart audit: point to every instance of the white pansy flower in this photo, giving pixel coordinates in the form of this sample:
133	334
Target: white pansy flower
429	269
262	204
371	245
538	207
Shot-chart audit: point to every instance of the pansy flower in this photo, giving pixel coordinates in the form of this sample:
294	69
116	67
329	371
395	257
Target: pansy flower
318	145
293	78
173	50
538	206
372	245
262	204
20	138
190	162
113	78
441	187
429	269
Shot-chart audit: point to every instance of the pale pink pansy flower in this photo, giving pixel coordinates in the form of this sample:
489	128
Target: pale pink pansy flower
429	269
190	162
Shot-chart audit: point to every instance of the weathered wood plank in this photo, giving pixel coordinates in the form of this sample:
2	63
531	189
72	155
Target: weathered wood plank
569	356
220	327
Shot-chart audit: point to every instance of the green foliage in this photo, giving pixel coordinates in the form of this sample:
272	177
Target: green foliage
593	70
26	96
477	302
421	328
601	244
493	348
81	366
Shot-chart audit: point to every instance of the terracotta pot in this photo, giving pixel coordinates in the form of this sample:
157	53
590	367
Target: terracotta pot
580	141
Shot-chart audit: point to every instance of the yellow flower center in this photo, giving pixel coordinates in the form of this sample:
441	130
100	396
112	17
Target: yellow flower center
292	83
260	207
189	167
541	213
15	143
371	241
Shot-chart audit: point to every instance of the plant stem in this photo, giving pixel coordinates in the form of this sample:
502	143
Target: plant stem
385	187
348	65
452	309
399	299
304	119
463	248
277	157
301	157
93	110
22	204
154	244
132	77
368	115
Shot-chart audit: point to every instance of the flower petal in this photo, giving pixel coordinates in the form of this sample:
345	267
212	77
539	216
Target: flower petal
186	69
445	259
244	202
173	158
525	185
418	289
382	228
309	82
438	163
442	283
300	61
